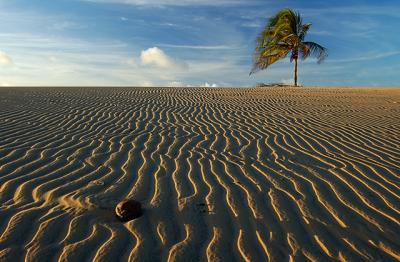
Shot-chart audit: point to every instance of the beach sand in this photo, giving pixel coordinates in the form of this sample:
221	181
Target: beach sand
223	174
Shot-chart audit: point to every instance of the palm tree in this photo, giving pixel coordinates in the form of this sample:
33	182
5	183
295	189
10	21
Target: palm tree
284	34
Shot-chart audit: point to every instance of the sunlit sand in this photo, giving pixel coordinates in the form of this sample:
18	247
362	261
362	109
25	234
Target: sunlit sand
223	174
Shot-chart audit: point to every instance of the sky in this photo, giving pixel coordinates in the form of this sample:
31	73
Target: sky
190	42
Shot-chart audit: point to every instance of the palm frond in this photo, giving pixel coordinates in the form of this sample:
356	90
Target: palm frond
268	55
313	49
273	20
295	21
265	61
303	31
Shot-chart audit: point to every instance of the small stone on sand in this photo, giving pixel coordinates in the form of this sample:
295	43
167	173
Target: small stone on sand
127	210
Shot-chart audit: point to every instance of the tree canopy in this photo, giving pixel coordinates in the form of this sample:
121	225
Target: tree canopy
285	35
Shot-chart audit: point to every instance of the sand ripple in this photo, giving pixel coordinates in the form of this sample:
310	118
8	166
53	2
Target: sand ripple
223	174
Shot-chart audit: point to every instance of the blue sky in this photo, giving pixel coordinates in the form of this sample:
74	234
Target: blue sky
190	42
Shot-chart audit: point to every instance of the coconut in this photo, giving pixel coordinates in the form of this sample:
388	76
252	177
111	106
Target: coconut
128	210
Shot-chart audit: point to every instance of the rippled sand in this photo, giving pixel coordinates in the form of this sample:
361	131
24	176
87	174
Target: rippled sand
223	174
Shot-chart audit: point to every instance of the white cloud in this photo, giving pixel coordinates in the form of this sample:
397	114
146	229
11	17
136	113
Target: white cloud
5	60
156	57
206	84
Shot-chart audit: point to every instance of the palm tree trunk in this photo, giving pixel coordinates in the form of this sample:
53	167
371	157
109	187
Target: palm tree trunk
295	72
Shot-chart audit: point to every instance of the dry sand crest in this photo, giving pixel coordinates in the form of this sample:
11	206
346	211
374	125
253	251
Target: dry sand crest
223	174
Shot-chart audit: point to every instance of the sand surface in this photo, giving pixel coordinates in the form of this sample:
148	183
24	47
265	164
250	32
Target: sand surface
223	174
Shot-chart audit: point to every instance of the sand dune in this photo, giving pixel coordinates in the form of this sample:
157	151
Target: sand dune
265	174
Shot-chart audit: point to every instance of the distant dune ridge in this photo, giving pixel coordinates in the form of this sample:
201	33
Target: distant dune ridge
222	174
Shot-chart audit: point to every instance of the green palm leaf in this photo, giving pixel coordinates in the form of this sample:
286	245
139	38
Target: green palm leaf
313	49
